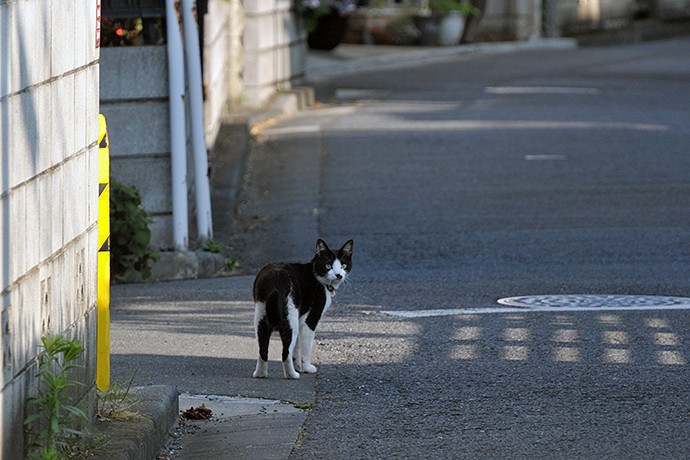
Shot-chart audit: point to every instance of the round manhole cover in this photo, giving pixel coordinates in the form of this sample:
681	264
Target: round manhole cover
597	302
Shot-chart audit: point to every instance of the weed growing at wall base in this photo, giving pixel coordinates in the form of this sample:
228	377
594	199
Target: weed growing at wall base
53	429
117	403
212	246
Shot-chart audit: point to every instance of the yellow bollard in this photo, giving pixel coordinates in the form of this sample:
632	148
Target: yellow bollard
103	296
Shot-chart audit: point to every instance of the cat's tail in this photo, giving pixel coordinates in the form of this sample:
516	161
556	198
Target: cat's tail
275	304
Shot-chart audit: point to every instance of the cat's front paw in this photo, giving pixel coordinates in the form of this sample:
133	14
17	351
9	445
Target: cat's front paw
289	370
294	375
308	368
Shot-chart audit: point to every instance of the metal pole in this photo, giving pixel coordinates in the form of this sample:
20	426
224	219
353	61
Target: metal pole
103	292
196	106
178	138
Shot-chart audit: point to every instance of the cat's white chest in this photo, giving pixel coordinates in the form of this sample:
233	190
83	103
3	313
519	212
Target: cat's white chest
329	299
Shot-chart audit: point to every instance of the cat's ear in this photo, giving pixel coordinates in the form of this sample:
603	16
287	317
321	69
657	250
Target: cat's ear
321	246
346	250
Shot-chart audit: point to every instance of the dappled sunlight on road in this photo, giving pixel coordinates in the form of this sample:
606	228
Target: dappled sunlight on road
639	338
339	340
372	335
566	344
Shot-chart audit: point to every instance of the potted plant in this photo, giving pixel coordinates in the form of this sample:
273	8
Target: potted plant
325	21
449	17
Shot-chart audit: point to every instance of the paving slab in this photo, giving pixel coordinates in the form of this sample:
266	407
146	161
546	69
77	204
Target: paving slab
243	428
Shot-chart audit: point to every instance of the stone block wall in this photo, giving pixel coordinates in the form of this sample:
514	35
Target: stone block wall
134	100
48	195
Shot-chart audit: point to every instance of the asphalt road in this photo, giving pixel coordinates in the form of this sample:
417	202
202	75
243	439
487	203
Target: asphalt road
549	172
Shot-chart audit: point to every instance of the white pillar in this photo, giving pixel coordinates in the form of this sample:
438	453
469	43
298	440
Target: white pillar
196	106
178	141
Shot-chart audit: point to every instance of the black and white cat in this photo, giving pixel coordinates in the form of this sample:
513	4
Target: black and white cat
290	299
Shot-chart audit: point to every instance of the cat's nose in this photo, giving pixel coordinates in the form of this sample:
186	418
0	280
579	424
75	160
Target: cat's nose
339	276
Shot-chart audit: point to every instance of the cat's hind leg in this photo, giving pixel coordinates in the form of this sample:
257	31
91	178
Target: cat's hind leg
263	335
288	335
289	338
297	355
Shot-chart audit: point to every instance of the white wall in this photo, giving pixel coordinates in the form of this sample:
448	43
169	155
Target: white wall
48	192
223	62
274	49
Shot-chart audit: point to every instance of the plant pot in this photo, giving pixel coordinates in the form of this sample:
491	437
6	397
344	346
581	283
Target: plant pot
450	29
329	32
428	26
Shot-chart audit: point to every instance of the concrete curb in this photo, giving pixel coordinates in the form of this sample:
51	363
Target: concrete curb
144	437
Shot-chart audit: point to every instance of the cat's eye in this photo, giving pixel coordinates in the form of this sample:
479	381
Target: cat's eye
344	266
328	266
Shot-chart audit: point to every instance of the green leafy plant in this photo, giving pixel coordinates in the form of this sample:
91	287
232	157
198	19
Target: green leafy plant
117	403
129	234
232	264
212	246
443	7
54	426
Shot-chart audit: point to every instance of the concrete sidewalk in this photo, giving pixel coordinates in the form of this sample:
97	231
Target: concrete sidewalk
185	321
